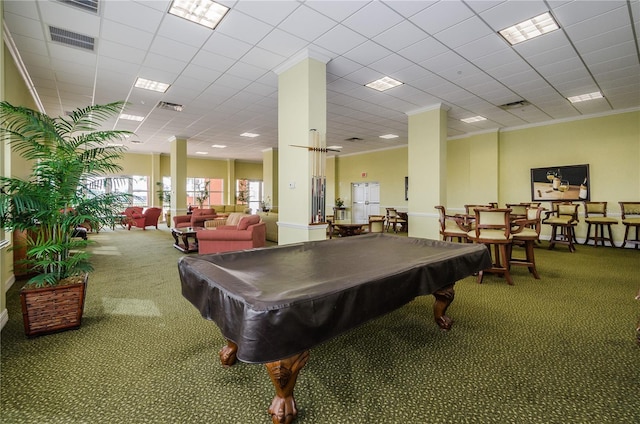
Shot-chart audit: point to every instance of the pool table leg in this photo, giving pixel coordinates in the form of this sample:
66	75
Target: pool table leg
228	354
444	297
284	374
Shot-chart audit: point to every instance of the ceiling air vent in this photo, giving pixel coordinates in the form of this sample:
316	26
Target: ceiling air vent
515	105
87	5
353	139
170	106
71	38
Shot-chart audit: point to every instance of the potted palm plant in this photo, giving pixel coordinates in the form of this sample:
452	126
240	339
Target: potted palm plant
59	196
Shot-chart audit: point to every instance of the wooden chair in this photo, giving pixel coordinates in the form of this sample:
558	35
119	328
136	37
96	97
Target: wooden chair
630	219
452	228
469	209
595	213
563	219
493	228
526	233
518	210
393	220
376	223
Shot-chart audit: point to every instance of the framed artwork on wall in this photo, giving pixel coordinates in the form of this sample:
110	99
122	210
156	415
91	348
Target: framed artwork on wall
553	183
406	188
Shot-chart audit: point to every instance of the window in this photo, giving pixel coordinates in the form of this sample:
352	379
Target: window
135	185
250	192
204	192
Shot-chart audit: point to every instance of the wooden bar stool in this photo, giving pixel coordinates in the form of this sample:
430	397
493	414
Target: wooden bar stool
563	219
595	213
631	220
493	228
526	233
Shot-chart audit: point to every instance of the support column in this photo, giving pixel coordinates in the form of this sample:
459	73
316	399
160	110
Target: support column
427	158
232	195
302	106
270	175
178	176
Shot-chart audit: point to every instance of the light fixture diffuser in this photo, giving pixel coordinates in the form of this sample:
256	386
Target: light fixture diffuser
203	12
132	117
474	119
146	84
585	97
529	29
250	135
384	83
218	146
389	136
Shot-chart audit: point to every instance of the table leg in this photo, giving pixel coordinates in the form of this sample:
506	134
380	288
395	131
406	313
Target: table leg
444	297
284	374
228	354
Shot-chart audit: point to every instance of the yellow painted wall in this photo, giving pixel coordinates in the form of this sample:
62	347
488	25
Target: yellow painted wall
387	167
496	166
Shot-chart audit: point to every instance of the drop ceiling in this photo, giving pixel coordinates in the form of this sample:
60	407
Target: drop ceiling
445	52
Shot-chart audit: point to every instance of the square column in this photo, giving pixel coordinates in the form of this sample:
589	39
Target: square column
427	160
178	176
302	106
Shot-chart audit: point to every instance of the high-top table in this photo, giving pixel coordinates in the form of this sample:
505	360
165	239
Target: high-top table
274	304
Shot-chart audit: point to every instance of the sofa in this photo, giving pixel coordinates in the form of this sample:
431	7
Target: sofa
271	220
227	209
195	219
249	233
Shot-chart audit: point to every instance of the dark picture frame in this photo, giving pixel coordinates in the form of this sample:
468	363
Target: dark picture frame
406	188
557	183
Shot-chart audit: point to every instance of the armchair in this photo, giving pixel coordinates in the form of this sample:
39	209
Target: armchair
250	232
127	215
149	218
452	227
196	219
563	217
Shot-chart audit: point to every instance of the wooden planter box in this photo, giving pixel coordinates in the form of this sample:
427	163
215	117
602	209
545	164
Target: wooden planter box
52	309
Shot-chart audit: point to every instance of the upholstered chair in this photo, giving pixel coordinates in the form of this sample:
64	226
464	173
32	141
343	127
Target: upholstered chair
493	229
595	213
149	218
452	228
631	220
376	223
563	219
525	233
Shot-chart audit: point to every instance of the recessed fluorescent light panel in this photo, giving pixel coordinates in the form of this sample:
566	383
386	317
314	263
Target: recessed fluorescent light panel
218	146
146	84
201	153
529	29
203	12
250	135
132	117
389	136
384	84
334	147
474	119
585	97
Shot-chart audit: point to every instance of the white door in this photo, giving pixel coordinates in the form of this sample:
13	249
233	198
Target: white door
365	201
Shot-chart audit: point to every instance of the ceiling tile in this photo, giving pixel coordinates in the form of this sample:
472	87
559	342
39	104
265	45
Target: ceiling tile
441	15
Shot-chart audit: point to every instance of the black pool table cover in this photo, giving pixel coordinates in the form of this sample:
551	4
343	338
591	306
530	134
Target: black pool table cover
279	301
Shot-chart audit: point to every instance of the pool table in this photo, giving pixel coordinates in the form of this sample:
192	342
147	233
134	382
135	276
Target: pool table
274	304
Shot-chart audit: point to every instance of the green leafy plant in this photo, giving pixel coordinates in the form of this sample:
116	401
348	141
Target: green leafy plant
339	203
62	192
202	194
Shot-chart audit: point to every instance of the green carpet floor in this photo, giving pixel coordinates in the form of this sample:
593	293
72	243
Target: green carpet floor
556	350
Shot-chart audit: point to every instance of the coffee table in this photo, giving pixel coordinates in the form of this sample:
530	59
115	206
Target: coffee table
185	234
